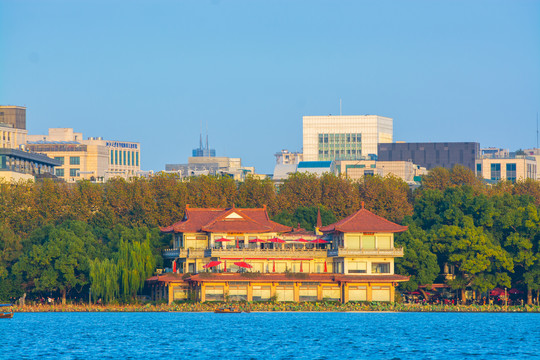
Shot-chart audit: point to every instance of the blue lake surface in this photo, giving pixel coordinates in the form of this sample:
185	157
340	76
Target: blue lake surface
270	336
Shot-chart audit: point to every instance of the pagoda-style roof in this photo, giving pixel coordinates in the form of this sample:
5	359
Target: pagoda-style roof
216	220
364	221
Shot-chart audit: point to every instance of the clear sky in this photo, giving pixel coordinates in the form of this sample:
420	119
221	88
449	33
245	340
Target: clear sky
152	71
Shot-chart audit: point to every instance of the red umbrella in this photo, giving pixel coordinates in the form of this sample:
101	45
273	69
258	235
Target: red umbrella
302	240
174	266
325	268
274	266
301	270
243	264
277	240
319	241
257	241
496	292
225	268
211	264
222	240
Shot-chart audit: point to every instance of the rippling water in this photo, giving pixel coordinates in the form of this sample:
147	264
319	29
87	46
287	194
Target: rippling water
270	336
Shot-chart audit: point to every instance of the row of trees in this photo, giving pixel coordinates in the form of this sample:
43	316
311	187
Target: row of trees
63	238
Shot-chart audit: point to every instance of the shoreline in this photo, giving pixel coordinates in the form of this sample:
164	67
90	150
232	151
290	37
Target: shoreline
278	307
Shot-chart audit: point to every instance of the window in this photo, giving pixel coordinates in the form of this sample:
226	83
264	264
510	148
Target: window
137	159
380	268
59	158
368	242
115	157
495	171
124	157
59	172
511	172
357	267
132	158
307	293
112	157
74	160
73	172
478	169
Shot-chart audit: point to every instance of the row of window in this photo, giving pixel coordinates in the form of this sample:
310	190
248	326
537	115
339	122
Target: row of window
124	157
339	138
495	171
72	172
73	160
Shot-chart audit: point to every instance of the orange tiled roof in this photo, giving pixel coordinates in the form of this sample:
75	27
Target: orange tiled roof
364	221
226	220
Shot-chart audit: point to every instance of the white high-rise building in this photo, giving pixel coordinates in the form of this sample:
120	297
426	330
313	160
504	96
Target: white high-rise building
344	137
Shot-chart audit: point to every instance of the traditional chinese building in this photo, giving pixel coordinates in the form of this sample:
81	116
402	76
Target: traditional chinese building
240	254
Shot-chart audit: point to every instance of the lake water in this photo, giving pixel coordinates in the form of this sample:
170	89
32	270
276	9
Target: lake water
270	336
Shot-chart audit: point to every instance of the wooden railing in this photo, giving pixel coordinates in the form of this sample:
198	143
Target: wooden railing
265	253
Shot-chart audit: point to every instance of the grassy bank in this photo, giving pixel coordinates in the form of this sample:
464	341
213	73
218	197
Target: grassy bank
275	307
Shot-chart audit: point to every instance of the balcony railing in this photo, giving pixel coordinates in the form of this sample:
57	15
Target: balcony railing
265	253
189	253
364	252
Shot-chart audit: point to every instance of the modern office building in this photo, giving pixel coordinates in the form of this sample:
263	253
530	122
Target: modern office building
509	168
16	163
353	259
347	137
432	154
94	159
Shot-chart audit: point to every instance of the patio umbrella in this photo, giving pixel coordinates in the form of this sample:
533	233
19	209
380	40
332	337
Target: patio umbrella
211	264
222	240
274	266
302	240
301	269
174	266
325	268
277	241
225	267
243	264
496	292
257	241
319	241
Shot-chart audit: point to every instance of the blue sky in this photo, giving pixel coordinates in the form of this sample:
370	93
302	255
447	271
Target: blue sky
152	71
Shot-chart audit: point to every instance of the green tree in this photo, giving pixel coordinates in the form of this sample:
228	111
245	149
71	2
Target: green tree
135	264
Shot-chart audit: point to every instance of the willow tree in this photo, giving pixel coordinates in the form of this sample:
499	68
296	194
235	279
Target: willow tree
104	276
135	264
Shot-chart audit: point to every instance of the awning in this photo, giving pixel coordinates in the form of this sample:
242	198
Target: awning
319	241
211	264
222	240
277	240
243	264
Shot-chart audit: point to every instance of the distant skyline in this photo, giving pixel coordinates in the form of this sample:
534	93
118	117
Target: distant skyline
153	71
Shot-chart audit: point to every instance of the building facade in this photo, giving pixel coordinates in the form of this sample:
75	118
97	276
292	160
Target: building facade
432	154
353	259
509	168
350	137
16	162
94	159
405	170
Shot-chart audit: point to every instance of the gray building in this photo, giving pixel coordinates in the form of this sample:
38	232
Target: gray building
432	154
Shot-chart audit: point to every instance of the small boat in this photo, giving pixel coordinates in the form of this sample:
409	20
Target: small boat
227	310
6	315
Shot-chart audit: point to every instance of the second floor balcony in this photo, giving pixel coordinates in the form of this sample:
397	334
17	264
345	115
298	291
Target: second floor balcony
365	252
266	253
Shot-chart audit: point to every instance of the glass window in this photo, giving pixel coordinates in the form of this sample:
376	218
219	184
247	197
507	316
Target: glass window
136	159
59	158
115	157
495	171
59	172
73	172
511	172
112	157
133	157
124	157
380	268
129	158
74	160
